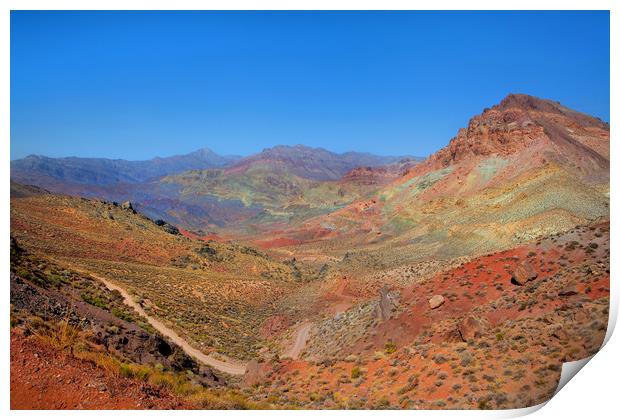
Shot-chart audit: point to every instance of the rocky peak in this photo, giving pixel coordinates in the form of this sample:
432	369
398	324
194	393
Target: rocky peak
552	109
509	127
204	152
528	103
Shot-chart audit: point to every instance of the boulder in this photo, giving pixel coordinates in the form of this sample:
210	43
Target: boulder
387	303
206	377
581	316
470	328
171	229
524	273
559	332
436	301
452	336
127	206
568	290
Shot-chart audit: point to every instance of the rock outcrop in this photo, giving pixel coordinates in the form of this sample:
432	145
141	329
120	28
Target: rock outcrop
387	303
127	206
436	301
470	327
519	122
524	273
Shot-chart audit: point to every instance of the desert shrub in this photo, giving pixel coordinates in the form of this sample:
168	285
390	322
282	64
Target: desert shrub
314	396
228	400
439	358
161	380
113	329
119	313
59	335
135	371
344	379
382	402
94	300
23	273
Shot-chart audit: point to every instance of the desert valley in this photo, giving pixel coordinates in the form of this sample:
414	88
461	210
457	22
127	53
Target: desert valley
301	278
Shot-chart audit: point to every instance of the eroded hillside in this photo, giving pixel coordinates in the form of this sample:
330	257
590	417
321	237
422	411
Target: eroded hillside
522	169
214	294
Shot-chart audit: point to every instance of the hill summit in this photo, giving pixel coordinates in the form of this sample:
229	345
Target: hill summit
521	122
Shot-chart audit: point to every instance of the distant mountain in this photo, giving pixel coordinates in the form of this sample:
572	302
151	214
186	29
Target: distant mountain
312	162
285	182
203	189
50	172
377	175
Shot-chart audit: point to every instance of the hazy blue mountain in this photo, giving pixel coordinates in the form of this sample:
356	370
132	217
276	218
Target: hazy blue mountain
203	188
45	171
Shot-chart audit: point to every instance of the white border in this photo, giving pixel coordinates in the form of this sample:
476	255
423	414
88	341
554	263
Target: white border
592	394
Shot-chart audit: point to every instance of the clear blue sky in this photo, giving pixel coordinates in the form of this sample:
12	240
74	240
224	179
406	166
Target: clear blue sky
136	85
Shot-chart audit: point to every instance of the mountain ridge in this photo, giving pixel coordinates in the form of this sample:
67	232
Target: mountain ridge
518	137
315	163
104	171
525	167
201	189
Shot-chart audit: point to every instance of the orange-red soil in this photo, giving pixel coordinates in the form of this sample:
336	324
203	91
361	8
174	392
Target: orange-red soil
43	378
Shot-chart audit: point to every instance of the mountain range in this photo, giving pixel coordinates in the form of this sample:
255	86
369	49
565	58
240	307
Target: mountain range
43	170
203	189
290	194
301	278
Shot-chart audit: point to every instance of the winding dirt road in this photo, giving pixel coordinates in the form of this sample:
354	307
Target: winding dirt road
230	366
301	336
302	333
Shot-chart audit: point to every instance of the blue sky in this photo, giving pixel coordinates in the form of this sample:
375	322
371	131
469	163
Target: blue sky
136	85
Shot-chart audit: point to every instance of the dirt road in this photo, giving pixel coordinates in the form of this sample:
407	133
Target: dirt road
301	336
230	366
343	302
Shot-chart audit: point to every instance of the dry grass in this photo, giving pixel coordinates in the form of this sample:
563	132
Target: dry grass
66	337
61	336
